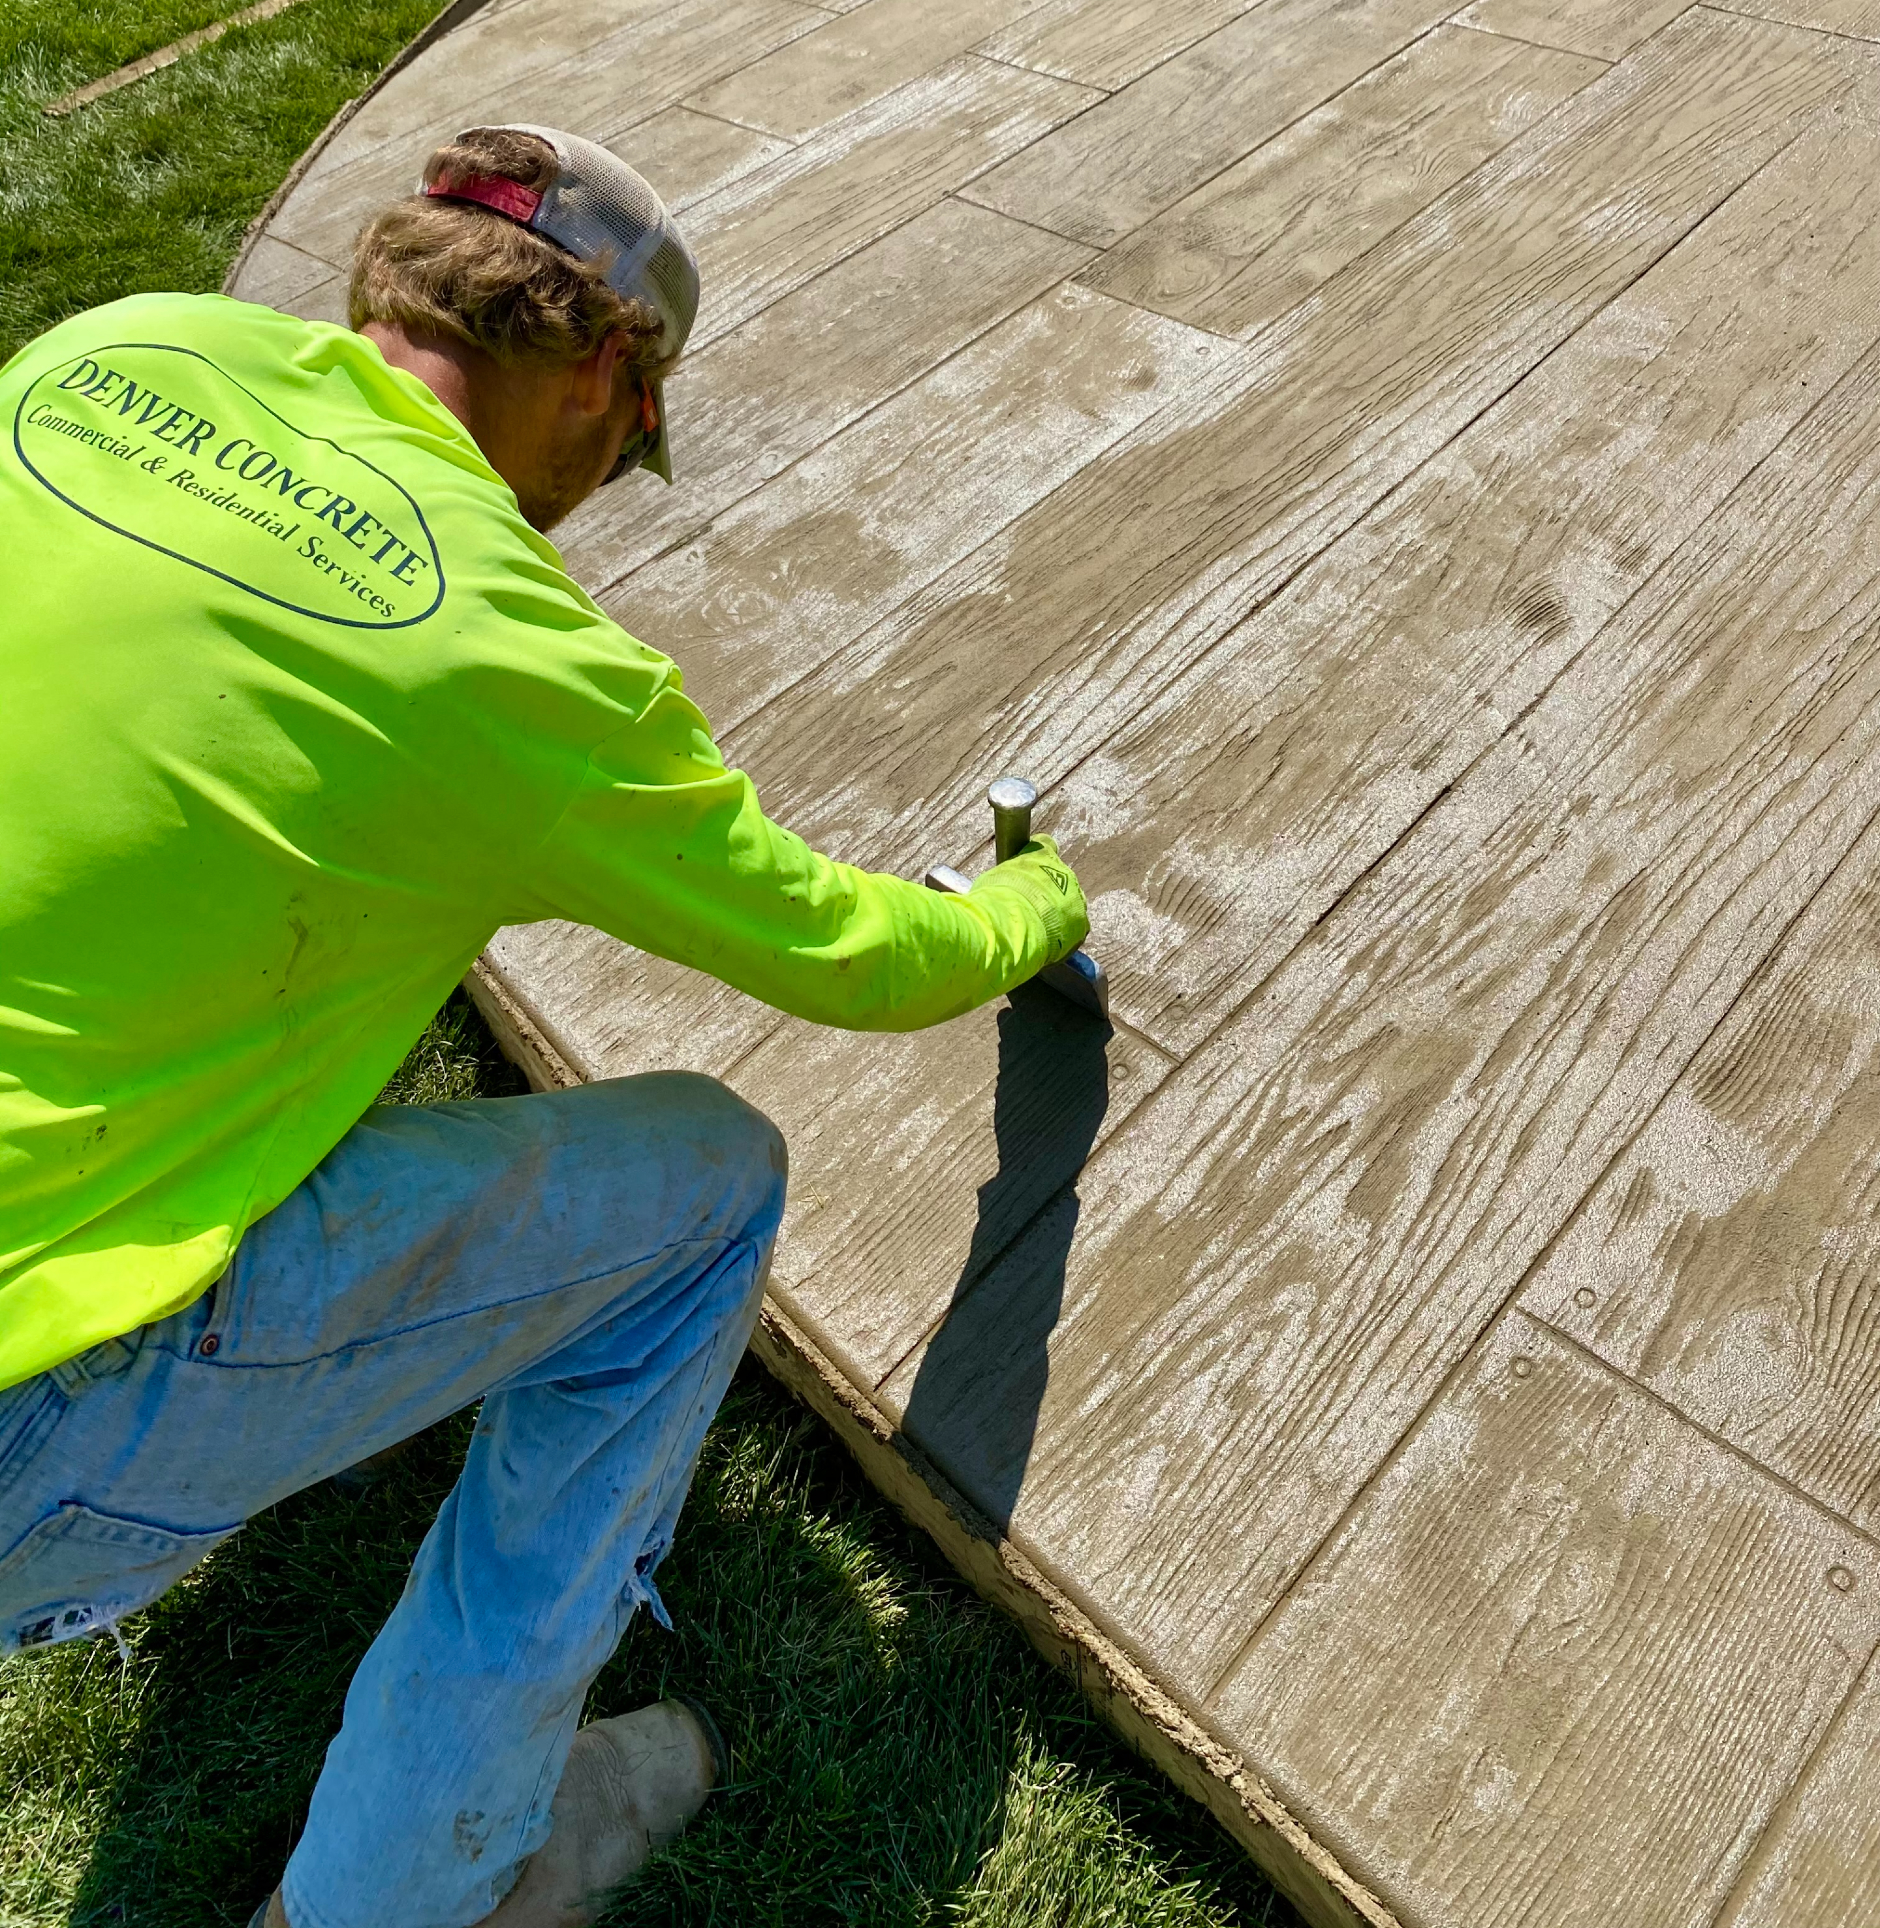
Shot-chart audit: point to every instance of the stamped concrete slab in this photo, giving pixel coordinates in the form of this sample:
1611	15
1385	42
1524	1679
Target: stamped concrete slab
749	405
1819	1859
1259	238
1107	43
1223	819
791	575
1729	1260
687	156
279	275
855	59
1460	701
1860	18
598	68
1322	1211
862	176
1162	136
1606	29
1491	1643
1100	596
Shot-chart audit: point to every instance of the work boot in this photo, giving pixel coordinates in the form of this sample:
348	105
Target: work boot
631	1784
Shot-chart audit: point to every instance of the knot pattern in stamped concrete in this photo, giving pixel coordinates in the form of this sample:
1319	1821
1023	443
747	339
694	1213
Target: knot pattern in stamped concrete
1406	485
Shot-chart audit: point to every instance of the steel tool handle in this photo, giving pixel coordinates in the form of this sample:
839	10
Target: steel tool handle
1012	800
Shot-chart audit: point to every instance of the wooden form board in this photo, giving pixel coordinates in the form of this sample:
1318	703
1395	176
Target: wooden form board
1407	481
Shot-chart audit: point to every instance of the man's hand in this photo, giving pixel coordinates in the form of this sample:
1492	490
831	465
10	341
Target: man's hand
1051	886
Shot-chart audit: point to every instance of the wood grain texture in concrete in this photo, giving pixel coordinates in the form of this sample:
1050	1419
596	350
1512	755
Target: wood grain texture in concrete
1162	136
1408	480
1255	241
1860	18
1491	1645
1106	43
1605	29
1819	1861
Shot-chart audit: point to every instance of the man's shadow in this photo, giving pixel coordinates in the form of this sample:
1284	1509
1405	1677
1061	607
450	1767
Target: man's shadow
975	1399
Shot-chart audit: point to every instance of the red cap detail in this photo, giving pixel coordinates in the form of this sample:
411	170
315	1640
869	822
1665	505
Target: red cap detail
494	191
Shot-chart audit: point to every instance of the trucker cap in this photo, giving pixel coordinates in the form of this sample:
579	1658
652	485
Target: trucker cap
600	210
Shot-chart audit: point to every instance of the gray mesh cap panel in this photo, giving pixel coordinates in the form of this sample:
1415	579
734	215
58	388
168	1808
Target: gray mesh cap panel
601	210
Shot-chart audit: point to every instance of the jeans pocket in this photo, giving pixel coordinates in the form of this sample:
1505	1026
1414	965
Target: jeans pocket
78	1570
28	1413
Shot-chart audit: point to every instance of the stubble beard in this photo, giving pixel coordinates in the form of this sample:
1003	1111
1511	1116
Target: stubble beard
567	480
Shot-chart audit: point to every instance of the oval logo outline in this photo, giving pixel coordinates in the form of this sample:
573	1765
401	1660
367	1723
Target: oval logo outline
208	569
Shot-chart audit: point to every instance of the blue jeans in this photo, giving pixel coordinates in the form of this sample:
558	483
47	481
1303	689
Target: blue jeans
589	1263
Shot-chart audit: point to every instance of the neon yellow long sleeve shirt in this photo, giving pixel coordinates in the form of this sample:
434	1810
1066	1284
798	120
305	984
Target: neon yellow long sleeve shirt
295	712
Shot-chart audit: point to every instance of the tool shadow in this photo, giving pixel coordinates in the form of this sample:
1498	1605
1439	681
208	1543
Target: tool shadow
974	1403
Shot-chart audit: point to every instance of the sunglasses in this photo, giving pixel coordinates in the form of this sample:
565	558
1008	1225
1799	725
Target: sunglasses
633	450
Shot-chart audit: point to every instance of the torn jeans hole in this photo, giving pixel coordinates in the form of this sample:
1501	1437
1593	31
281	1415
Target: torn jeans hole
70	1623
640	1590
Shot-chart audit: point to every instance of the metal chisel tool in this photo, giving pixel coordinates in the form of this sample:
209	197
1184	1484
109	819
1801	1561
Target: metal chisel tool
1078	977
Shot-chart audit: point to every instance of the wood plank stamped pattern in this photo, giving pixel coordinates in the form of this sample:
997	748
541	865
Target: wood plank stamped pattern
856	58
610	1011
1034	651
278	276
1859	18
858	177
1259	238
1730	1260
915	1160
1819	1860
782	581
1418	1358
1218	822
687	156
785	578
1326	1205
1108	43
760	398
1162	136
598	72
1606	29
1561	1617
1203	866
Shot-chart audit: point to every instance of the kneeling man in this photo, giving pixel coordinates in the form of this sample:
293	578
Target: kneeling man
299	708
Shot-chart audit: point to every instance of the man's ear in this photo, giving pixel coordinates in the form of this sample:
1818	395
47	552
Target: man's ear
592	388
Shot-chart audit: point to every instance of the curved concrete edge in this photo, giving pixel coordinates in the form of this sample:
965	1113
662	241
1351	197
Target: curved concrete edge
1142	1713
449	20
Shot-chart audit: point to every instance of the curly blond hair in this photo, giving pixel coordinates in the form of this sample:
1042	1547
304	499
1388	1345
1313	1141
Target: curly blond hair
457	268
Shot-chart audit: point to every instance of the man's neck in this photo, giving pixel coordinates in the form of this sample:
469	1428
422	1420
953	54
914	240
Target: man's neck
526	418
445	366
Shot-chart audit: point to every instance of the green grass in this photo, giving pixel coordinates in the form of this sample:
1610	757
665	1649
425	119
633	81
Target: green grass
901	1756
151	187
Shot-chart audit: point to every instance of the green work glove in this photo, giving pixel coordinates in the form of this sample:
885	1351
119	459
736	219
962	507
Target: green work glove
1050	886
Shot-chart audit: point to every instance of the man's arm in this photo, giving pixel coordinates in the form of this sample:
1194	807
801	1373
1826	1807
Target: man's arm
668	850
